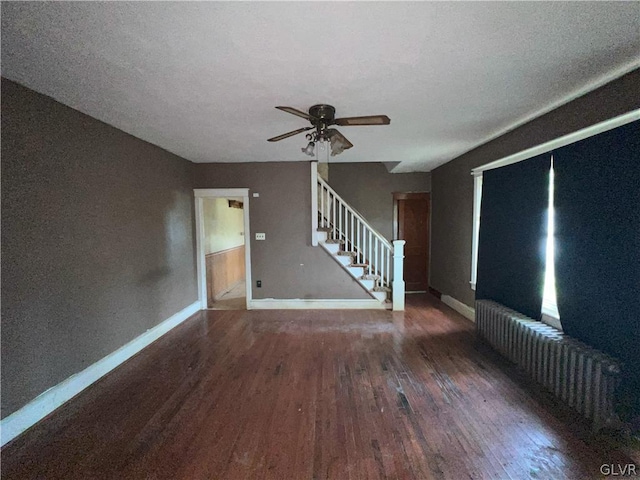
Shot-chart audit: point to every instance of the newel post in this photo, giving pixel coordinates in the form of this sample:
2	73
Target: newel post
314	204
398	280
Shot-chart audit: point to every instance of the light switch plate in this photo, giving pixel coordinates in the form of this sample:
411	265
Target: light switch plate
261	236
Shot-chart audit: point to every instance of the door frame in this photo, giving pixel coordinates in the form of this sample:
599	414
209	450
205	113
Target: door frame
409	195
199	195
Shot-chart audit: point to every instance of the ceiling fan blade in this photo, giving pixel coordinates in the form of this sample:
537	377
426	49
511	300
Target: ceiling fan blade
368	120
290	134
295	111
339	142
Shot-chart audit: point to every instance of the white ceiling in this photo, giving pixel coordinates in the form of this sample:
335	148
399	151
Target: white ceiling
201	79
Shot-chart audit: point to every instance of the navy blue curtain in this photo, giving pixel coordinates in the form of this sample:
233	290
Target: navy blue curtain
513	221
597	204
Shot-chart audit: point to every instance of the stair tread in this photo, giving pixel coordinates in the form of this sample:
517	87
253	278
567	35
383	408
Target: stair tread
379	293
381	289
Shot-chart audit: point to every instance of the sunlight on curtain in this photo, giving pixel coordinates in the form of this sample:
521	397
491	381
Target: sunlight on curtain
549	305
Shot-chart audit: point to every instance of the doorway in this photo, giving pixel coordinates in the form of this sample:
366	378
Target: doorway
223	252
411	218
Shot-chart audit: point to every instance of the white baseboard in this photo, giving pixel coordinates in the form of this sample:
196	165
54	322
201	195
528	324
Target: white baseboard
48	401
314	304
460	307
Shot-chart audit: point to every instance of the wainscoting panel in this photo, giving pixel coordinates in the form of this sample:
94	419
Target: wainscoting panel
225	270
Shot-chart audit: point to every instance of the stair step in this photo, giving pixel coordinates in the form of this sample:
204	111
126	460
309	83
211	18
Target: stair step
370	277
332	248
382	289
368	284
381	296
345	261
356	271
321	237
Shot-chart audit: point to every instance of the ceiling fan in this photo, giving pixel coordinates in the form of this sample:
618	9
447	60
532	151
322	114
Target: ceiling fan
322	117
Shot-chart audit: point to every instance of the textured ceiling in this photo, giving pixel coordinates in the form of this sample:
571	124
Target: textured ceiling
201	79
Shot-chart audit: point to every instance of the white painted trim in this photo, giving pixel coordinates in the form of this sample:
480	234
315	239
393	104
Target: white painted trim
315	304
475	232
200	194
247	252
201	268
561	141
398	285
314	203
220	192
461	308
56	396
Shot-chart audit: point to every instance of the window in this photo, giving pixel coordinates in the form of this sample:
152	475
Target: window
549	308
549	312
549	305
477	199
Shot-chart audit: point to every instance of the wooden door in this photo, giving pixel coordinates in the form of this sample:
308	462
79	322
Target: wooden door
413	227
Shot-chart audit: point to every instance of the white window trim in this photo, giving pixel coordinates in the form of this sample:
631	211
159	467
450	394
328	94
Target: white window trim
477	201
549	310
561	141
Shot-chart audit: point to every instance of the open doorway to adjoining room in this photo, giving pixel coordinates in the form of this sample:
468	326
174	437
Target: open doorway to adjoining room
223	253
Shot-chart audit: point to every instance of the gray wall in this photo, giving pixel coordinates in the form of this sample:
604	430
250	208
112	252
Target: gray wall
368	188
286	263
97	241
452	192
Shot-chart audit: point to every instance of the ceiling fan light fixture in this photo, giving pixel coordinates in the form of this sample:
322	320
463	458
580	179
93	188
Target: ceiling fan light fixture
322	117
337	146
337	141
308	150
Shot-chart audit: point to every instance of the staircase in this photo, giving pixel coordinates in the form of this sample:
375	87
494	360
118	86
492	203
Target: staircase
348	259
366	255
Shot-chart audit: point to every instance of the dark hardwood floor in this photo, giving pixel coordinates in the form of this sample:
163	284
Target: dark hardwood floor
312	395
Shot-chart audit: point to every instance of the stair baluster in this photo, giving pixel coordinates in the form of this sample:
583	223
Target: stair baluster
366	246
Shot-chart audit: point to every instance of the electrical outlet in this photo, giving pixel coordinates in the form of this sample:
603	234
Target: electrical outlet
259	283
261	236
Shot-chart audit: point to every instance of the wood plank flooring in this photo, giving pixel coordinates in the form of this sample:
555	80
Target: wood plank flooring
234	299
312	395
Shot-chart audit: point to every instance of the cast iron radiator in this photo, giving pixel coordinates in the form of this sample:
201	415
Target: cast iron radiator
582	377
